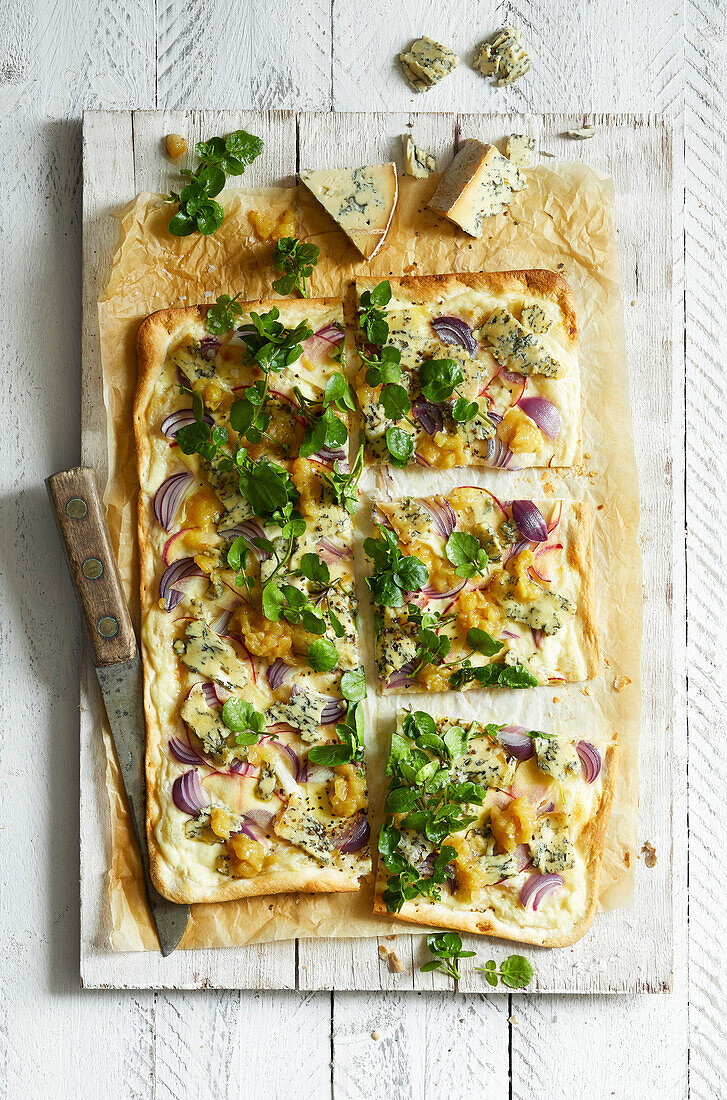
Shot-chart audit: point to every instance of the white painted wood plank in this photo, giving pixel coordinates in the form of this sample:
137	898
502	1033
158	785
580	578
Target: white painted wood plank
415	1046
706	496
215	54
597	55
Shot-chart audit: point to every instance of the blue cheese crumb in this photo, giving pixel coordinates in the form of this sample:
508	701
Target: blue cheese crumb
426	63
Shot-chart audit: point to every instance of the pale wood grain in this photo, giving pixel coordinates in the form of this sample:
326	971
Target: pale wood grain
706	502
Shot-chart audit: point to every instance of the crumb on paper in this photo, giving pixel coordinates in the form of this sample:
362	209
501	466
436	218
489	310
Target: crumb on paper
556	698
375	1034
627	858
649	852
620	682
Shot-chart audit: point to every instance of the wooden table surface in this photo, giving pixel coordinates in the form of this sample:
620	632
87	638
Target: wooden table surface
59	58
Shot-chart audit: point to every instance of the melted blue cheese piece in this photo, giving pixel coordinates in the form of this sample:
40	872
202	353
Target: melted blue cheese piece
394	647
206	724
534	318
360	200
479	183
415	847
203	652
549	612
503	56
297	825
417	162
557	757
551	846
426	63
226	488
486	763
189	359
516	348
302	711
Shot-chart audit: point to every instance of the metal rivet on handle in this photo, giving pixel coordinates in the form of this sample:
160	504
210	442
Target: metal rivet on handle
92	568
76	508
107	626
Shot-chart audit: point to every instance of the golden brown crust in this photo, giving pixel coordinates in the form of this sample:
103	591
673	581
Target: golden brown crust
156	335
438	289
590	841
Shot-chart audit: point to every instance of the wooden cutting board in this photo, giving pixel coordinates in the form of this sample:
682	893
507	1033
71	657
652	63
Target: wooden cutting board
626	950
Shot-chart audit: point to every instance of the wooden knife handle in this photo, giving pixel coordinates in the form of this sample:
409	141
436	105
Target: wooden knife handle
82	523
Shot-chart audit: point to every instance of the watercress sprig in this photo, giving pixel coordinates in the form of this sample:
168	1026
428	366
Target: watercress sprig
515	972
447	950
219	157
295	261
242	718
350	733
394	573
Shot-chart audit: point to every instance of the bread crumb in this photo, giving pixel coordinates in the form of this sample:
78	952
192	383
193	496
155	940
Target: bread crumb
556	698
649	854
176	146
375	1034
392	960
620	682
513	1020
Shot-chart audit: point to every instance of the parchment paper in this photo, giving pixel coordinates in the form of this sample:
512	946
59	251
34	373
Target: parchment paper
564	221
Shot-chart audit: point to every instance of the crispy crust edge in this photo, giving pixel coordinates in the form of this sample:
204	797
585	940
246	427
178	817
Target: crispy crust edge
437	289
154	337
440	916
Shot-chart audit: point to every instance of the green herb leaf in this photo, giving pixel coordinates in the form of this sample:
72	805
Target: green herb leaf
400	445
322	655
482	642
466	554
516	972
439	378
353	685
396	401
242	718
296	262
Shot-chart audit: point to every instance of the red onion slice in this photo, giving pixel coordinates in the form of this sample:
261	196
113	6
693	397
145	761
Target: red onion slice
509	634
353	836
402	676
182	418
432	594
331	553
538	887
188	794
516	742
250	530
429	415
453	330
276	673
545	414
170	495
222	693
442	514
538	636
421	460
243	770
221	623
499	456
333	712
184	753
171	540
181	570
209	346
328	457
590	759
529	520
208	694
333	332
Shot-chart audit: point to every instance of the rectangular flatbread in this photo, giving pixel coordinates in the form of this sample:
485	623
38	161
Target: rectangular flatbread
248	612
494	829
500	593
512	339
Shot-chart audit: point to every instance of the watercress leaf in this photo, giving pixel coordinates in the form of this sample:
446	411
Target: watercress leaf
182	224
412	574
491	979
417	723
314	569
516	971
330	755
400	445
401	799
273	602
210	180
455	740
322	655
482	642
389	838
210	217
438	378
516	676
464	410
243	147
284	285
237	553
239	715
399	752
461	548
395	401
353	684
313	623
380	296
338	391
338	628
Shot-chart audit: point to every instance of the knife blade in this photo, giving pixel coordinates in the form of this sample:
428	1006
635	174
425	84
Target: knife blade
82	523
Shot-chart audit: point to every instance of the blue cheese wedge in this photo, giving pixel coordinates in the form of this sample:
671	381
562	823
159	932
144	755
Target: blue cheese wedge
360	200
487	764
188	358
549	612
417	162
479	183
503	56
427	62
534	318
516	348
203	652
297	825
519	150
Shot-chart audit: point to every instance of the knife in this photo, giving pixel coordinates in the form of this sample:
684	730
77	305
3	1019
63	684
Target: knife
82	523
